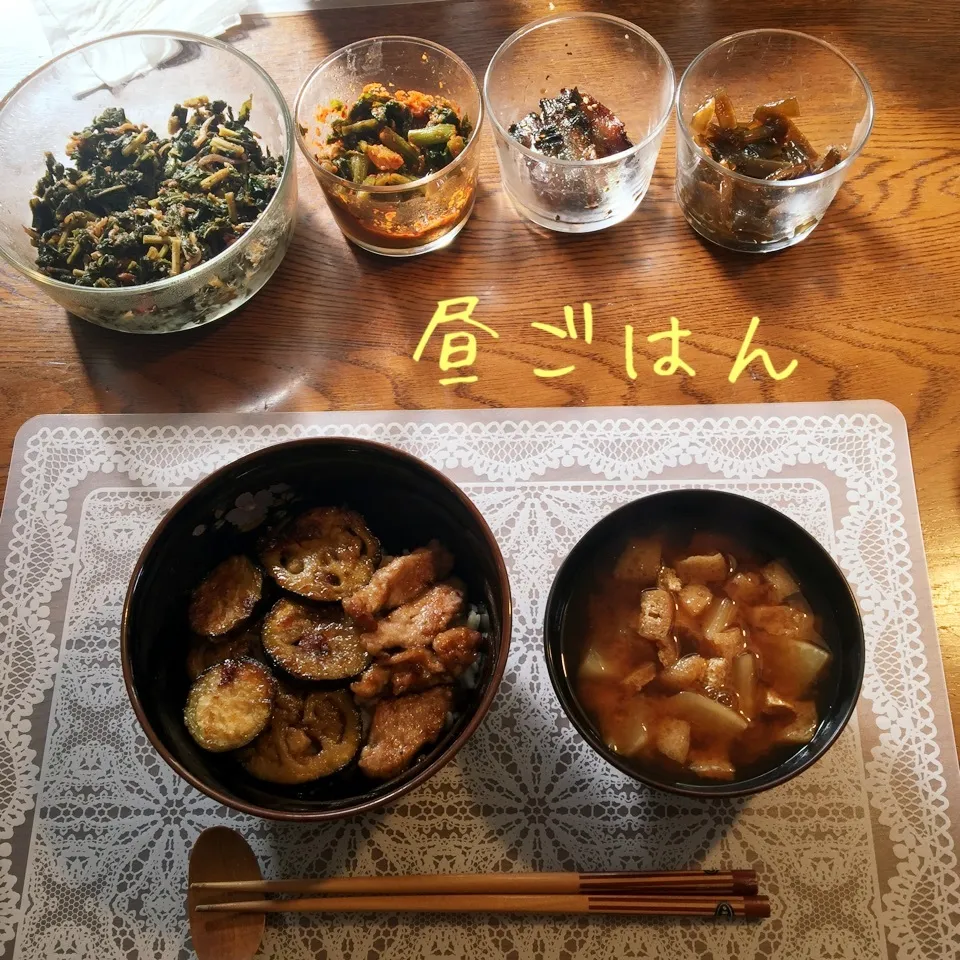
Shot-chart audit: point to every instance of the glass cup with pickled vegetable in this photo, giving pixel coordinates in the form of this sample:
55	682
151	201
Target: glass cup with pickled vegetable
389	126
579	104
769	123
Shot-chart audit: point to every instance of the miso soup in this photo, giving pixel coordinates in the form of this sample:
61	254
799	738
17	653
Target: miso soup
698	657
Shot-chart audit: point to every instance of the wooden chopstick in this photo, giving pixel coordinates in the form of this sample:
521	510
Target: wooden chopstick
626	904
689	882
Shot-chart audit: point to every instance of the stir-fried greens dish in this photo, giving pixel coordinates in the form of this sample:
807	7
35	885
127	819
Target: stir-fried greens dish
572	126
134	207
769	146
392	137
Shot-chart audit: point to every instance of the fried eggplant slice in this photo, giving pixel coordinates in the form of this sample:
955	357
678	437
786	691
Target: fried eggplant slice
325	554
313	643
401	727
226	597
229	705
203	653
311	735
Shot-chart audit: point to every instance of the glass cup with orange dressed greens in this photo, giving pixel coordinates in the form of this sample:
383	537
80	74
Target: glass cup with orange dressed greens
389	126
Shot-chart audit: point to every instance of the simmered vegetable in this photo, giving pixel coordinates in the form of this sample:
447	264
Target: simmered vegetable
325	554
226	597
229	704
311	735
313	643
769	146
391	137
136	207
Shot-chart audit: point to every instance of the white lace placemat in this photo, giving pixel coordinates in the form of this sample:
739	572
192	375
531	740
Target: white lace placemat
859	854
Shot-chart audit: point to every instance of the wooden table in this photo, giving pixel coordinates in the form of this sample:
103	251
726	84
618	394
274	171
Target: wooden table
867	305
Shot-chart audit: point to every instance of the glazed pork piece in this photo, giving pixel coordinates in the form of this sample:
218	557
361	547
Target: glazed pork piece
373	683
414	624
447	657
457	649
399	581
401	727
416	669
415	647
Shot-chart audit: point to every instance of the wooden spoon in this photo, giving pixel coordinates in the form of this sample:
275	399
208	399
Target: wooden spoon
222	854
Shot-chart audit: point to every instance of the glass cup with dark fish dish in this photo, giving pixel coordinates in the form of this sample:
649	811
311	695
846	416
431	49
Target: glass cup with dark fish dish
579	104
390	128
769	123
166	199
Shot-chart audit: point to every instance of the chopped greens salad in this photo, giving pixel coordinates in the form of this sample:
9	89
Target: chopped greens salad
133	207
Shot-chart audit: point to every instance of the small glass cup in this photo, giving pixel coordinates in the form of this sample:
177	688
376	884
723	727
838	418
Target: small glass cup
406	219
616	63
753	68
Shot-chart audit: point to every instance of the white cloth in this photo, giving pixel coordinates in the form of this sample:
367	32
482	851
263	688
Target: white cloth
68	23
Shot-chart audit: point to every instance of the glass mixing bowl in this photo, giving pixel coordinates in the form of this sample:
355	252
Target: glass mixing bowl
64	96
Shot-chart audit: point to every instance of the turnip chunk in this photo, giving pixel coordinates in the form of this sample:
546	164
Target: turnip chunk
745	684
783	621
685	674
632	733
667	579
637	679
718	617
801	729
798	665
711	767
778	577
673	739
656	615
593	666
706	716
695	598
708	568
746	588
639	562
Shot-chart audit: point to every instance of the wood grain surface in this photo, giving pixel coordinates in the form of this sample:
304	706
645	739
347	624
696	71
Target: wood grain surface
867	304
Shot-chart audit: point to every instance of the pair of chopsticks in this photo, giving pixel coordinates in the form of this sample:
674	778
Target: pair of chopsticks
683	893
